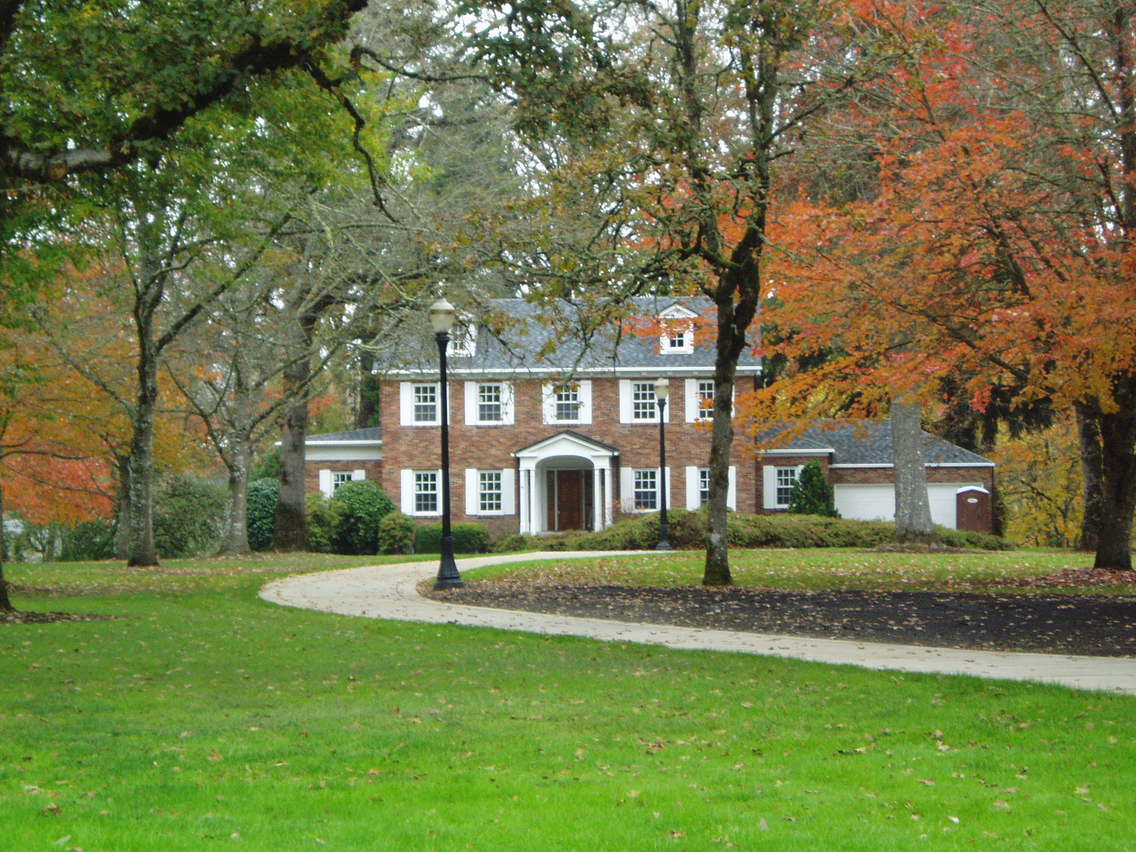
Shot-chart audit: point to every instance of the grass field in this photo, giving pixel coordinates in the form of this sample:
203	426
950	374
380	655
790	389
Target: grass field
201	717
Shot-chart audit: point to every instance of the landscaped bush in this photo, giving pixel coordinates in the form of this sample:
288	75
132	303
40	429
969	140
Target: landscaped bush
517	543
469	537
263	495
322	518
357	524
87	541
189	515
396	533
812	494
688	531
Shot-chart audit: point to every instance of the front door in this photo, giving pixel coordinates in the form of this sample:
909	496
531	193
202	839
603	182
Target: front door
569	499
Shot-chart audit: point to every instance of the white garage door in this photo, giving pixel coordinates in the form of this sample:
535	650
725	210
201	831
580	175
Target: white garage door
877	502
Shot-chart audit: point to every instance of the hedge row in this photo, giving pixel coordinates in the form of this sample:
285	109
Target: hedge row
687	530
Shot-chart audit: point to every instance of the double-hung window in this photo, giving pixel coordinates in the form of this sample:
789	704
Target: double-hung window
786	479
643	405
338	477
703	486
490	403
704	396
426	492
567	402
646	489
489	492
425	403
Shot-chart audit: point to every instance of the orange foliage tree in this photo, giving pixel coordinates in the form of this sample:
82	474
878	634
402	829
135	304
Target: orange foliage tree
995	240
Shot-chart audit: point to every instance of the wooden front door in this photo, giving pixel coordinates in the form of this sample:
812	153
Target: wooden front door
569	499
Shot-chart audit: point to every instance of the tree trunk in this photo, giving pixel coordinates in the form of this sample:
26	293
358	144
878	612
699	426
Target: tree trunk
236	541
291	518
912	508
1092	472
5	601
123	524
1118	487
717	568
140	466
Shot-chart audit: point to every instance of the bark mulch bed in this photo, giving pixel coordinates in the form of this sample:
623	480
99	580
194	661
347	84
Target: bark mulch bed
1096	625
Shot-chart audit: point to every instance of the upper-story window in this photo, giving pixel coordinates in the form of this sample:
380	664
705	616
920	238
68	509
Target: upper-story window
568	402
425	403
643	405
704	396
489	403
677	334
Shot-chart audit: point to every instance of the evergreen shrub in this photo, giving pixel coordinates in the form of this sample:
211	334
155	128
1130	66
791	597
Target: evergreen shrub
396	533
364	504
189	515
469	537
263	495
812	494
88	541
322	519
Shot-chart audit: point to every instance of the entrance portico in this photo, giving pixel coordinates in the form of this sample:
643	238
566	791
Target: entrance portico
566	482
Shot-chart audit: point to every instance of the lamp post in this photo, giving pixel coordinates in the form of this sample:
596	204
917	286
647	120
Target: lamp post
662	390
442	320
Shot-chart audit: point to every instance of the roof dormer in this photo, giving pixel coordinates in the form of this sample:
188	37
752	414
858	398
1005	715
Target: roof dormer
677	330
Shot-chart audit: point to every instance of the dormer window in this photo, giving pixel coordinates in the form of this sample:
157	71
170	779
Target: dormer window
463	339
677	335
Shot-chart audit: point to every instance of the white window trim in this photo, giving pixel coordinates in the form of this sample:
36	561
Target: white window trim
473	492
406	405
473	408
691	400
627	489
407	494
769	484
627	406
548	403
693	495
669	330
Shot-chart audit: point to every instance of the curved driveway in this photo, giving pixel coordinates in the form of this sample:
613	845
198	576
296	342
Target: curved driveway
388	592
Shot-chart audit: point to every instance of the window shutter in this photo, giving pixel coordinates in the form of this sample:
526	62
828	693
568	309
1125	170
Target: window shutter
769	486
406	404
358	475
627	489
472	484
691	400
406	491
668	487
691	486
625	401
509	491
732	489
548	400
325	482
586	401
507	403
471	403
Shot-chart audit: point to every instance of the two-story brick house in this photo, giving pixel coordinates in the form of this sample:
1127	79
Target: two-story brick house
550	435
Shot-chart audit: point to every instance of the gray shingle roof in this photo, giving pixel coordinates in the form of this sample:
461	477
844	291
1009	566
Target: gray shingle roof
866	442
372	433
526	342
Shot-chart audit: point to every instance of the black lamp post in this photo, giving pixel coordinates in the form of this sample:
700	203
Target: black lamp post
662	390
442	320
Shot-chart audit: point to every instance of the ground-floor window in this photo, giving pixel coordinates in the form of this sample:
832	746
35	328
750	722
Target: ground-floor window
786	480
426	492
646	489
489	492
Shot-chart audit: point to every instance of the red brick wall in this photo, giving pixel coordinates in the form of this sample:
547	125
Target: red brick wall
418	447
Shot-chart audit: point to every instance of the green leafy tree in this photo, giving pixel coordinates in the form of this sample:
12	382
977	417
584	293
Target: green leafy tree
812	494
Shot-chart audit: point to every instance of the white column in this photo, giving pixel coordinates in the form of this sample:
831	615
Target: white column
526	512
597	497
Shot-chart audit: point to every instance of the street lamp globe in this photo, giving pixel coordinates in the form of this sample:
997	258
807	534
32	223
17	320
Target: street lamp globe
442	315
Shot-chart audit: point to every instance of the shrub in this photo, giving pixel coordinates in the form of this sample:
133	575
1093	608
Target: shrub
87	540
396	533
189	515
263	495
972	540
517	543
812	495
322	518
357	523
469	537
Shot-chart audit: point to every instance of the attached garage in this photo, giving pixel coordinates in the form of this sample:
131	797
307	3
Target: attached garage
877	502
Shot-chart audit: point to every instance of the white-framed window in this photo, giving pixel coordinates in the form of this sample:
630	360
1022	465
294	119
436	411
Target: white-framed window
489	403
426	492
330	480
419	404
463	340
568	402
698	487
643	404
646	489
699	398
677	335
338	477
777	484
490	492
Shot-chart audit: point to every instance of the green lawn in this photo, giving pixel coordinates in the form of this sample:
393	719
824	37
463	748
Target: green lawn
202	717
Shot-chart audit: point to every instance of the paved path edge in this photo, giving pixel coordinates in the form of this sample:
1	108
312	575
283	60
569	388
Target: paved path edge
389	592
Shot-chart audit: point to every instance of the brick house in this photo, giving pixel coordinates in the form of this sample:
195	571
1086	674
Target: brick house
570	439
